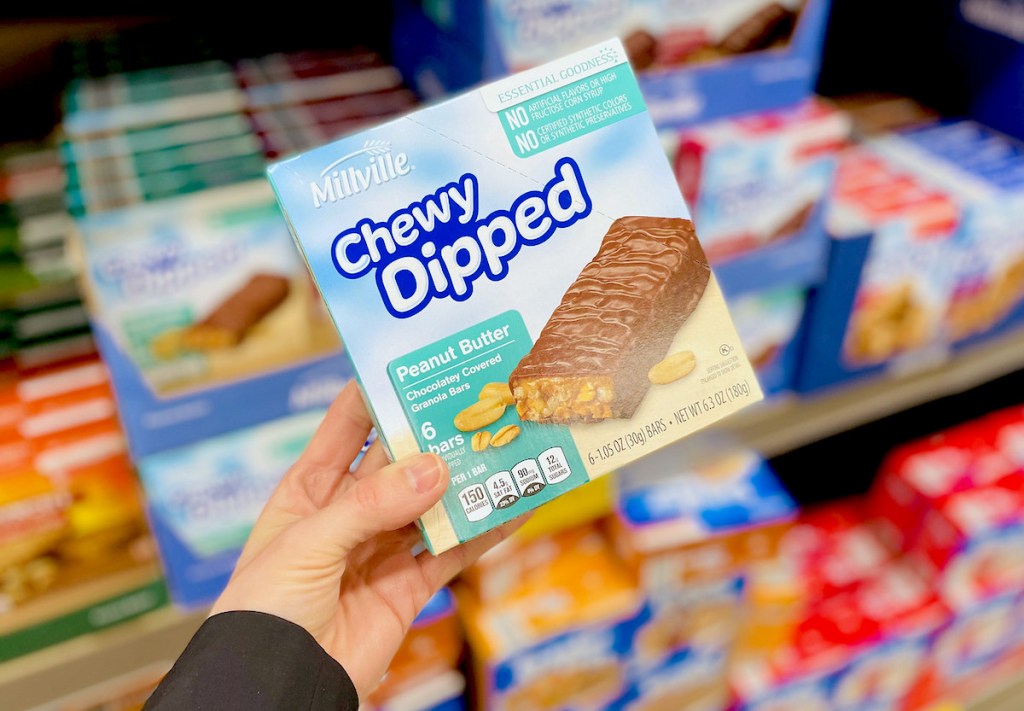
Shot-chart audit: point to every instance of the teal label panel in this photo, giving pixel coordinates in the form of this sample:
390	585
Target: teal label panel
441	387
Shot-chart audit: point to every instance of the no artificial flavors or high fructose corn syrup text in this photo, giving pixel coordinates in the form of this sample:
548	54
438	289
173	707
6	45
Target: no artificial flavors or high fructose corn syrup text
518	292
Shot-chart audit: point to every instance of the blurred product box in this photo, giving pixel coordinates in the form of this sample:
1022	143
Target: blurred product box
155	133
694	530
986	39
834	546
692	627
927	255
310	76
45	325
521	567
154	140
300	100
756	186
560	641
440	692
284	130
978	637
953	503
95	106
76	550
915	479
872	113
683	517
769	325
204	498
865	636
696	61
97	194
206	317
431	649
34	223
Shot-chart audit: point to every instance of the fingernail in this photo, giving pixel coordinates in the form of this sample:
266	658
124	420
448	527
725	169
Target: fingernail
423	471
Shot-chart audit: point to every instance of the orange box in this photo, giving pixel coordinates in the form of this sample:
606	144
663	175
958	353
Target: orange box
432	647
561	639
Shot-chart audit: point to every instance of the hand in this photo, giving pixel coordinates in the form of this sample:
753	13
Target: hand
332	549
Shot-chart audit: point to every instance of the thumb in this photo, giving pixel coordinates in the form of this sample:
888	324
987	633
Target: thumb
386	500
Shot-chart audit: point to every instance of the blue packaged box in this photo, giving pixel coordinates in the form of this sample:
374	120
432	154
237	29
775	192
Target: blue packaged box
205	315
204	499
699	514
757	185
696	61
769	328
987	40
927	257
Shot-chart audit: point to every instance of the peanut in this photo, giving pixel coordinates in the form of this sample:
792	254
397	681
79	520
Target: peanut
505	435
672	368
480	440
480	414
499	390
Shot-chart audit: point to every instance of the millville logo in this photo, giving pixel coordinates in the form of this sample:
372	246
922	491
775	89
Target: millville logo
339	181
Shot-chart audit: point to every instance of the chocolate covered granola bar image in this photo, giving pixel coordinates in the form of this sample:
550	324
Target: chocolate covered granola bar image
617	320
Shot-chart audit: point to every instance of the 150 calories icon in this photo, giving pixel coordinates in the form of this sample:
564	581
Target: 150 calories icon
527	478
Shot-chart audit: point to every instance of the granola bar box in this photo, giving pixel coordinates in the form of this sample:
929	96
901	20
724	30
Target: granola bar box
517	281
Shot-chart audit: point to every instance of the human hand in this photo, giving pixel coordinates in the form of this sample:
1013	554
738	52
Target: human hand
332	549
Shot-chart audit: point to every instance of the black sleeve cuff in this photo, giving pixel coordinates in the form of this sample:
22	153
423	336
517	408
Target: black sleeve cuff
253	661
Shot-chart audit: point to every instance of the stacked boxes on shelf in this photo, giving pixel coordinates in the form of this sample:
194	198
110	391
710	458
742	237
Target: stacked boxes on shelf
77	552
155	133
694	526
927	253
696	61
757	186
865	621
953	504
296	101
550	622
425	674
637	611
200	304
42	318
912	594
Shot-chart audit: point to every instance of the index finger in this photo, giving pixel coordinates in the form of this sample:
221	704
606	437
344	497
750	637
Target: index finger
333	447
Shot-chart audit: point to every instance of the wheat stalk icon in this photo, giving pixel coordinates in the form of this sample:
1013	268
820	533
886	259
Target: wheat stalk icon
372	148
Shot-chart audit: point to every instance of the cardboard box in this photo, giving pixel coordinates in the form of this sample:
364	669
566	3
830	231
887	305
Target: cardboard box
203	499
916	478
688	70
680	520
453	260
77	551
441	692
926	253
431	649
769	328
985	37
206	317
756	185
561	644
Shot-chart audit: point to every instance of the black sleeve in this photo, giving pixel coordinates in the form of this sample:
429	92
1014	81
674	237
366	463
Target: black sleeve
252	661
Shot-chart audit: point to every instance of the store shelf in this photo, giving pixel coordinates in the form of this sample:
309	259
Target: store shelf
50	674
773	428
777	427
1005	697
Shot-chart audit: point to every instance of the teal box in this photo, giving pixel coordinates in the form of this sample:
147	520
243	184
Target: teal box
505	270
